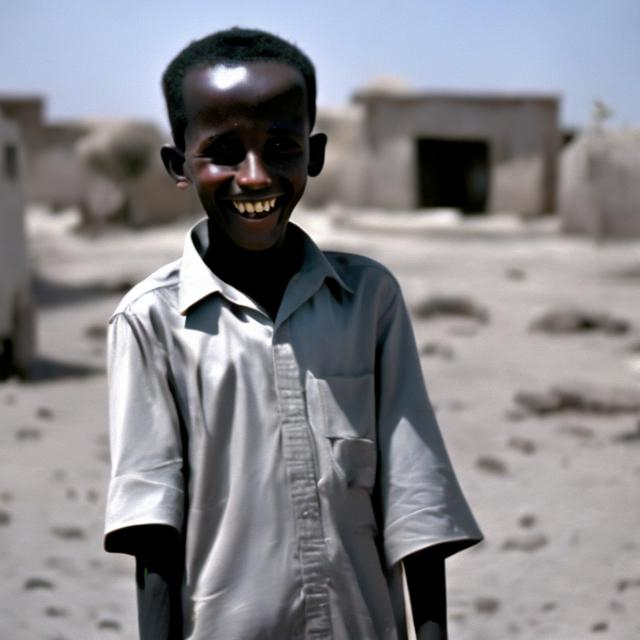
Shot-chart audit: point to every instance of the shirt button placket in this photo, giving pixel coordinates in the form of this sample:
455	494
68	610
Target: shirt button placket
301	473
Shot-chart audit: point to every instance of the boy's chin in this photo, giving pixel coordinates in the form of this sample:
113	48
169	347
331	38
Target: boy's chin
254	235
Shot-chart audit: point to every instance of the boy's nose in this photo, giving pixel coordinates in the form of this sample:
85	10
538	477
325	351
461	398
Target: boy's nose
252	173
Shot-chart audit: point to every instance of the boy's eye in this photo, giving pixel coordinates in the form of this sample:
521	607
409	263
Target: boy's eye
226	152
282	147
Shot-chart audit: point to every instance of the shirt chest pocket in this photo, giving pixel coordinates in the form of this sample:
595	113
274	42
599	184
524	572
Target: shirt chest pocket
342	410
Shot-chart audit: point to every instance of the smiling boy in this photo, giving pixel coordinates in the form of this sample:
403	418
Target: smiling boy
275	459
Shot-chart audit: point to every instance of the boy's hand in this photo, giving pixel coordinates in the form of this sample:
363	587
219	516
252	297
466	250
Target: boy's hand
432	631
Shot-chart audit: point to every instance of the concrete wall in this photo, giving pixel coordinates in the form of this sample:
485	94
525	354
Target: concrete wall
521	131
600	184
16	308
343	175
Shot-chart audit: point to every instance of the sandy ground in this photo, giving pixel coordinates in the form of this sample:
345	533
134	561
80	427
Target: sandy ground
556	495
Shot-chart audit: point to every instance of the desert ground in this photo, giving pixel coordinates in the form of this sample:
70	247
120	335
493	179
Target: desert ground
540	415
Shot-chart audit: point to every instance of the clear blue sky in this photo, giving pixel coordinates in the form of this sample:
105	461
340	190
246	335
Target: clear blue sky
105	57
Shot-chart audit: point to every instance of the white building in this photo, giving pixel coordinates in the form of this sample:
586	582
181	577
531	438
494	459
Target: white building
16	307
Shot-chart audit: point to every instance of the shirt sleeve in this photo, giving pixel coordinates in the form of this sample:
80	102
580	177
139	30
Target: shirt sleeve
421	502
147	481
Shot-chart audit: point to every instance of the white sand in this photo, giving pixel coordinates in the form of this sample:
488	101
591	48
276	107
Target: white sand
577	488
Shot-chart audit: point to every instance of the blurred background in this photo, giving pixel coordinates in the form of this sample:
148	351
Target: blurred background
487	152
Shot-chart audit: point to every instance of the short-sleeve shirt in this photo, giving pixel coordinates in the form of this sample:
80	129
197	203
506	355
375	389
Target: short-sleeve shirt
299	458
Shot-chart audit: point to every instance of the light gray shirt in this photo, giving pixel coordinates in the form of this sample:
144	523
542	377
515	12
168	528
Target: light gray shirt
300	458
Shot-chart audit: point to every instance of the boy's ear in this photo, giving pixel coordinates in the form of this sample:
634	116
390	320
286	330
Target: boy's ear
173	160
317	145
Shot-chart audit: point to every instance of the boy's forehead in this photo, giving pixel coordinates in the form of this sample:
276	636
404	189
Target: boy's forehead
231	87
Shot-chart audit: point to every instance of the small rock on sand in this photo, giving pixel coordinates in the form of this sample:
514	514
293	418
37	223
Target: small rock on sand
28	433
576	430
68	533
487	605
458	306
531	542
96	332
633	435
491	464
515	273
570	320
44	413
107	623
527	520
5	518
523	445
603	625
439	349
37	583
628	583
579	396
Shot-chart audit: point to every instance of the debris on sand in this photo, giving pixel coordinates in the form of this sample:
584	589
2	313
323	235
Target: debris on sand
37	583
438	349
491	464
108	623
458	306
573	320
69	533
527	520
531	542
515	273
583	397
487	605
628	436
576	430
96	332
523	445
28	433
628	583
5	518
44	413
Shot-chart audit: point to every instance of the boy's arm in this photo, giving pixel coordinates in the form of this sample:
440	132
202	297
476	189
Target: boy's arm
424	515
426	581
158	577
159	580
425	572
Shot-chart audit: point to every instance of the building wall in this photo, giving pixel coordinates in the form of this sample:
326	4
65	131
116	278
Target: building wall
342	178
16	309
522	133
600	185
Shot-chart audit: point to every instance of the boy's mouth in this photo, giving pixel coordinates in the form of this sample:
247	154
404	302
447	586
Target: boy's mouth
255	209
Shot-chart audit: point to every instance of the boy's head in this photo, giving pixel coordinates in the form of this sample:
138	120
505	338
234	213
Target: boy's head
231	46
242	105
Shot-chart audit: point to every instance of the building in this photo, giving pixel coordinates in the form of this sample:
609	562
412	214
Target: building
58	175
17	314
477	152
600	184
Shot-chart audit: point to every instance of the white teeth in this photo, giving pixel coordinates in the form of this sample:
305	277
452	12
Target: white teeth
252	208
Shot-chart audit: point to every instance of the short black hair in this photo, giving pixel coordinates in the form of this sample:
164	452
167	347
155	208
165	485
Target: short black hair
232	45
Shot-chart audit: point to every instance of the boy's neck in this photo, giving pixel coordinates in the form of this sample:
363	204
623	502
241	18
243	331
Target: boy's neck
262	275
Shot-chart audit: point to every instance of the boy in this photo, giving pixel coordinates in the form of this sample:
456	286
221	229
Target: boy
274	455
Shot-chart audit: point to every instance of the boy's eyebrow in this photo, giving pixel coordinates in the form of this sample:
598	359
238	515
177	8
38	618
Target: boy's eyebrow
284	129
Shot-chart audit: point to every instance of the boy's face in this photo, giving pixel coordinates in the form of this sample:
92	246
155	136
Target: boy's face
247	147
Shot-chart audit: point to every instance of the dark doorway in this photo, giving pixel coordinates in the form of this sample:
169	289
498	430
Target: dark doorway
453	173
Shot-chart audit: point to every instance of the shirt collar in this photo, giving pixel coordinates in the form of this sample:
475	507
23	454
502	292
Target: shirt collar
197	281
